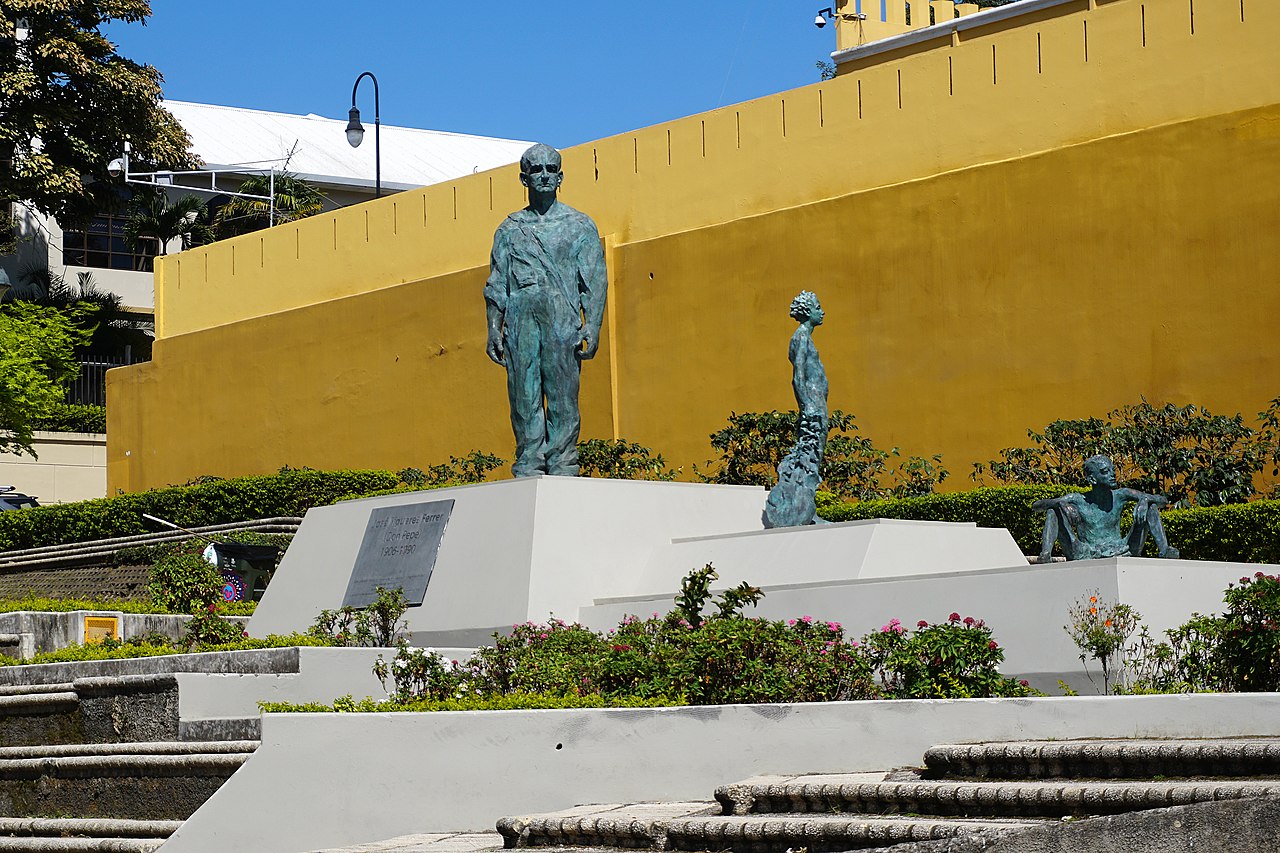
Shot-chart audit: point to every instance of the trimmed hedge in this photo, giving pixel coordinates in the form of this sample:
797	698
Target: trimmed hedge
510	702
290	493
40	604
1002	506
73	417
1237	533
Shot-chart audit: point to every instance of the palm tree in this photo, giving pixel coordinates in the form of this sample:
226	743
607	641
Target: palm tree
294	199
150	216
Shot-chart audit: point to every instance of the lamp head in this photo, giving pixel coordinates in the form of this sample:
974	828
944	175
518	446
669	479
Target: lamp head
355	130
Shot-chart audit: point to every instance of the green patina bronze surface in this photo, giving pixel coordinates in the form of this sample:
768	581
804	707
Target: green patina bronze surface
545	302
791	502
1087	526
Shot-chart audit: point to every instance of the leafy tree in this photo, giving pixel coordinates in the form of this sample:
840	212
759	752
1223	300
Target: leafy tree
68	102
99	313
151	216
37	357
619	459
1185	452
754	443
295	199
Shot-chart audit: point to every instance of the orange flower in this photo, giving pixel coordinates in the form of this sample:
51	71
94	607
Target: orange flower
1107	623
1093	611
1093	599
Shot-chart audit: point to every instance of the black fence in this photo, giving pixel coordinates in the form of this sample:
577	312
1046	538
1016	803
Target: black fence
90	387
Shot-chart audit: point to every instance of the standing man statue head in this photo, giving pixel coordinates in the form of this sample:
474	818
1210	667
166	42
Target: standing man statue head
544	301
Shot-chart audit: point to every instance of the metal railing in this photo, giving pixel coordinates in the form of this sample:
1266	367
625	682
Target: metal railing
90	387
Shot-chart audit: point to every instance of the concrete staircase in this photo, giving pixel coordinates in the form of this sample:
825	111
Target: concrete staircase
99	764
978	792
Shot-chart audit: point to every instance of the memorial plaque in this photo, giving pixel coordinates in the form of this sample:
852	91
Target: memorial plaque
398	550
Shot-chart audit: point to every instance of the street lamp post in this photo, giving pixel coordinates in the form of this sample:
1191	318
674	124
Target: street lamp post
355	130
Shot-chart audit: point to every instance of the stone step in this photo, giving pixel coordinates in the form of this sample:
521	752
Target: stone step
149	781
694	826
88	844
94	710
99	828
1106	759
827	793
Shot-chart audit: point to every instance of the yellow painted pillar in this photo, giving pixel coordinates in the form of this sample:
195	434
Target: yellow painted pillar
943	10
963	9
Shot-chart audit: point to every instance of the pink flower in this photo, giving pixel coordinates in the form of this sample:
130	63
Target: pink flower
1242	580
545	635
853	644
993	645
834	626
1025	683
968	621
922	624
806	619
954	617
791	623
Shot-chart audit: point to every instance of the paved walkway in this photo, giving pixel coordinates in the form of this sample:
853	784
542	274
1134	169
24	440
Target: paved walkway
431	842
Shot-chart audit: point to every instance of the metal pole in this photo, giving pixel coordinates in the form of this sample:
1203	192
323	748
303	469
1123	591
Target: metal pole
377	130
271	211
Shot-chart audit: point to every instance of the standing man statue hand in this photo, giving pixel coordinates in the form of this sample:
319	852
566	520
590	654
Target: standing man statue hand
545	300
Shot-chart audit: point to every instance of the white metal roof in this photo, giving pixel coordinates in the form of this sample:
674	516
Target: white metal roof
411	157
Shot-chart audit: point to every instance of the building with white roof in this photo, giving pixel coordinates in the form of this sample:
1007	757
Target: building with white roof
245	141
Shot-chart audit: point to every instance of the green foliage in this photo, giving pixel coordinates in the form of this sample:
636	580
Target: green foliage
1009	507
108	328
754	443
512	702
184	581
948	660
1239	533
1100	631
294	199
37	358
717	659
618	459
1238	651
70	100
72	417
240	499
151	647
207	628
40	604
695	590
151	216
1183	452
375	625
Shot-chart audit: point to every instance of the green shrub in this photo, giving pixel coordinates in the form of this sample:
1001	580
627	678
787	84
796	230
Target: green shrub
618	459
184	581
956	659
290	493
1005	506
377	625
1234	533
66	605
723	658
754	443
1183	452
511	702
72	417
121	650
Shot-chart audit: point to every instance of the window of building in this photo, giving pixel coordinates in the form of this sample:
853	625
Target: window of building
101	244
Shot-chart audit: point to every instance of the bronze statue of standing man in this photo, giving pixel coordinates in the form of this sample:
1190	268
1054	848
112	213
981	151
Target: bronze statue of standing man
545	302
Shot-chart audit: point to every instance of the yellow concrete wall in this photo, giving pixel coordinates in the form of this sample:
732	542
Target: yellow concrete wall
1004	231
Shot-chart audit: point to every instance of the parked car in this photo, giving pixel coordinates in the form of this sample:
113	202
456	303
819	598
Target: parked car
11	498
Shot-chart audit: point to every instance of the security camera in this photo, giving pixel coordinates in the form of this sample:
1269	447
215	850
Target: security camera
116	167
819	22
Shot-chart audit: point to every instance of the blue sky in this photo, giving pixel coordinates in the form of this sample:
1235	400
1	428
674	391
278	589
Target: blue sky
559	72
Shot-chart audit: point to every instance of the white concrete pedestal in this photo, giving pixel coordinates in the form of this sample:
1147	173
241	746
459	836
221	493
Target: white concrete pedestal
514	550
